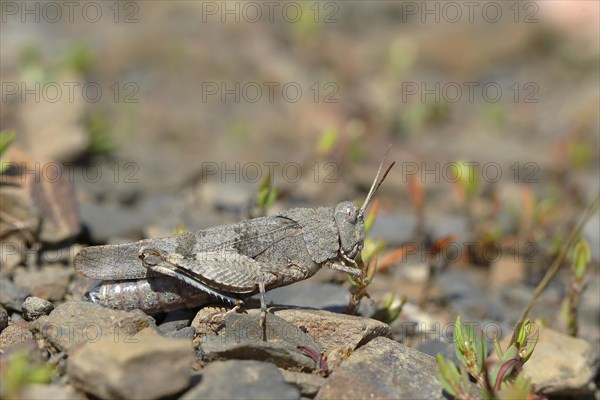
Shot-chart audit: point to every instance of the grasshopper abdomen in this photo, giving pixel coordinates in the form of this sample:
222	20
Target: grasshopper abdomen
151	295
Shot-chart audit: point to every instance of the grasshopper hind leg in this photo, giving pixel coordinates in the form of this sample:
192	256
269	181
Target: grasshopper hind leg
154	261
263	305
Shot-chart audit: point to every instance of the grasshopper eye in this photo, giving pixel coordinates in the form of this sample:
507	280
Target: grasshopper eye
346	213
351	214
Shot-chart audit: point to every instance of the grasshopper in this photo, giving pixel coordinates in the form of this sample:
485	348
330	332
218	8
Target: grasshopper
230	262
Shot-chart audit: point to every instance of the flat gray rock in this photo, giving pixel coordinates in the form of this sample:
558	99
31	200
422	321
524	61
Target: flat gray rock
150	368
243	340
562	365
76	322
242	380
384	369
246	328
287	357
333	330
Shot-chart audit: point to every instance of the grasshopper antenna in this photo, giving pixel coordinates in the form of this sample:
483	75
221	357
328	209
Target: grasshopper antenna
376	184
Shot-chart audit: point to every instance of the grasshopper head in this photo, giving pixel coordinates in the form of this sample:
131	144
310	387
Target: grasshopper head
351	228
350	219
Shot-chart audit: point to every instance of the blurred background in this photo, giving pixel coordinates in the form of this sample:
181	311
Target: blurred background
170	115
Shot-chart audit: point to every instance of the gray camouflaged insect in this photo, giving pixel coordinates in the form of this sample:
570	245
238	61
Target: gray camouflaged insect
229	262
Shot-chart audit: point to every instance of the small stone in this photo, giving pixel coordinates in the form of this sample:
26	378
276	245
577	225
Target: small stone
48	283
34	307
13	335
308	384
562	365
77	322
150	368
11	296
242	380
333	330
3	319
384	369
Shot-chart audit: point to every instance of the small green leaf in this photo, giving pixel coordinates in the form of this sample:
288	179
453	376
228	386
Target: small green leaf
523	333
179	229
582	259
532	340
370	219
267	194
371	248
512	353
327	141
498	348
458	334
564	309
481	353
396	311
467	176
459	341
448	375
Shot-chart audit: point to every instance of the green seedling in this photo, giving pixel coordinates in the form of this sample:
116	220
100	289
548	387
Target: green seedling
327	142
266	196
179	229
467	182
581	261
471	350
391	310
368	264
454	382
555	266
100	134
79	58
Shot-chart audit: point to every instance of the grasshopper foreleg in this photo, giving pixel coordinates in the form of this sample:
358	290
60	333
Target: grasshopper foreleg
344	268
